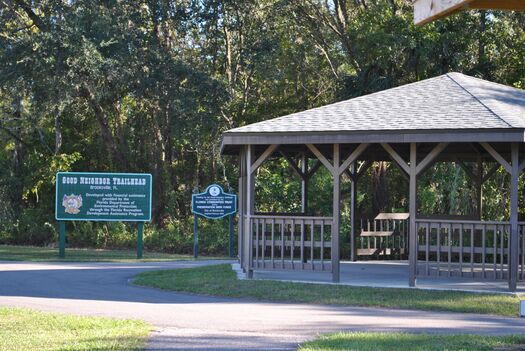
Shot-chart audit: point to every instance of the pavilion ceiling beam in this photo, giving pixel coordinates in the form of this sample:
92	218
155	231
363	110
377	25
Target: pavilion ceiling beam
402	171
360	171
395	156
353	157
267	153
321	157
349	174
497	156
294	165
467	170
490	173
430	157
314	169
521	166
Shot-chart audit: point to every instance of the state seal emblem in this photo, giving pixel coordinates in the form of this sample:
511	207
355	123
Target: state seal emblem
72	203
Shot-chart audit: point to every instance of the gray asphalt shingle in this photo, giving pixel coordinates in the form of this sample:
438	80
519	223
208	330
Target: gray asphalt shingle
451	101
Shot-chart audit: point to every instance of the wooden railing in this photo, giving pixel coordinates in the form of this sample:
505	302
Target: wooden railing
453	248
291	243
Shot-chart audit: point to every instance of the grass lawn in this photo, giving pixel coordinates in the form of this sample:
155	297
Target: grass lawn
24	329
221	280
412	342
44	254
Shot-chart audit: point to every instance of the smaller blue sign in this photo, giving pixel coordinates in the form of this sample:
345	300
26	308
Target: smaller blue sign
214	203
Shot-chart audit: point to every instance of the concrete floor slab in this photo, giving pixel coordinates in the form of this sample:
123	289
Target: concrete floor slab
388	274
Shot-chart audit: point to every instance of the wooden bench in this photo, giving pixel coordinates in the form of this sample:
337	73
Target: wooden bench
391	230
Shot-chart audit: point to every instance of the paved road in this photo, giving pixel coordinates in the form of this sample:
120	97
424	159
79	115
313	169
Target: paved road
190	322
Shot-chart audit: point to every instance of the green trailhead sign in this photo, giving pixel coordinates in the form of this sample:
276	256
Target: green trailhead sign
124	197
214	203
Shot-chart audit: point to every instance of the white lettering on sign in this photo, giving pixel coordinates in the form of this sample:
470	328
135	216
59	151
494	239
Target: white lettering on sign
114	205
129	181
69	180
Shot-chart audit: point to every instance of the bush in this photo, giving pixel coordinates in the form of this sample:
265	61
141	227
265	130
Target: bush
34	228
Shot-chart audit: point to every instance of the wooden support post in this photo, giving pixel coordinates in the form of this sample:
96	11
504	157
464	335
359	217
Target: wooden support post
241	206
336	174
304	184
514	169
249	210
412	250
479	185
353	219
514	236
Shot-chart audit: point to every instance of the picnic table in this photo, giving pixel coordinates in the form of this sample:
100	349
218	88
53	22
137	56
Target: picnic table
385	225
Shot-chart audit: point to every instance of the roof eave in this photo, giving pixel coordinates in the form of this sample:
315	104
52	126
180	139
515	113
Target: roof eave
231	140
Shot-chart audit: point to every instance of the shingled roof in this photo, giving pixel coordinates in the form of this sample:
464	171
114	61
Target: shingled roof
450	107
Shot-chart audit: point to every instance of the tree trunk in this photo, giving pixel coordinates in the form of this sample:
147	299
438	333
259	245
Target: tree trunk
107	134
379	188
16	190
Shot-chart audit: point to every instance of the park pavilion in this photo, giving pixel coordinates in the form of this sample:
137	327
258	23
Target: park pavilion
449	118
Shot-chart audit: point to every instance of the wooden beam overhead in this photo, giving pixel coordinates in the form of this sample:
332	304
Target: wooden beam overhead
350	175
521	166
314	169
321	157
267	153
353	157
467	170
395	156
490	173
430	157
497	156
293	164
358	173
426	11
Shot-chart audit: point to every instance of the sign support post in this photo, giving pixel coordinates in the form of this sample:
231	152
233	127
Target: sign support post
140	243
195	236
195	228
62	239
